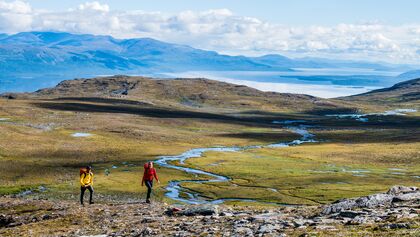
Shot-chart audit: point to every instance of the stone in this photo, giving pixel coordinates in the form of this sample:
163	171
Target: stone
396	190
361	220
407	197
172	210
146	231
5	220
46	217
228	214
395	194
199	210
298	222
9	96
148	220
244	231
268	229
351	214
325	227
396	226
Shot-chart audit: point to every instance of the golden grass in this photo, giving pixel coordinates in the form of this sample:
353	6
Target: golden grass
30	156
311	173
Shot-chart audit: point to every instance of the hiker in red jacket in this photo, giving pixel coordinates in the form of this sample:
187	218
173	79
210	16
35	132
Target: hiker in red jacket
149	174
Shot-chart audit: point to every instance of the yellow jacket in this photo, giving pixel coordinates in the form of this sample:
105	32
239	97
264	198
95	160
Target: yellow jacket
86	179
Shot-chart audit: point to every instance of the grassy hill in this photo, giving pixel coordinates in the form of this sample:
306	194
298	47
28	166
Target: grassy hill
185	93
407	92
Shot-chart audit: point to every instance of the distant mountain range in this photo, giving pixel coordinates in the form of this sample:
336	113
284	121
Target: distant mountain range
34	60
43	53
409	75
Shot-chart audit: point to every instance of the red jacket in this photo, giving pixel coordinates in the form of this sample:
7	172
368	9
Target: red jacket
149	174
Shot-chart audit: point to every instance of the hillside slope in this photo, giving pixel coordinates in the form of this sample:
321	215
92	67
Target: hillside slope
404	92
192	93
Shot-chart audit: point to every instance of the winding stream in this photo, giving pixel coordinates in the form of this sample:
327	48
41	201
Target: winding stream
176	192
364	117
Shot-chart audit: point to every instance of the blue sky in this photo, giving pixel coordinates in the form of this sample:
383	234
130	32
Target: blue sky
297	12
373	30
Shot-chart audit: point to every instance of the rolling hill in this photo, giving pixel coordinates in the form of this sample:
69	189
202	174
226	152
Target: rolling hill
403	92
196	93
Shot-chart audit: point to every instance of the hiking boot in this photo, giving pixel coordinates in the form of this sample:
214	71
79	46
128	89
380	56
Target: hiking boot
147	201
91	203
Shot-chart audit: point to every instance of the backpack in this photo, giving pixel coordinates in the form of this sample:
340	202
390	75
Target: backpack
83	171
147	169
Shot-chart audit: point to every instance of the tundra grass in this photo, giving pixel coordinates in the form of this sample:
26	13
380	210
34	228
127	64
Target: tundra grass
33	155
311	173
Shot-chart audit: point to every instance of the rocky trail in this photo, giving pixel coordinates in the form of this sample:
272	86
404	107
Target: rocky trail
394	213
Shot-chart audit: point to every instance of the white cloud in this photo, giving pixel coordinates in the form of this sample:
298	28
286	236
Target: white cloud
223	31
94	6
18	7
15	16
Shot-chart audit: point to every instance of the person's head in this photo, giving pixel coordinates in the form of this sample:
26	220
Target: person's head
88	168
150	164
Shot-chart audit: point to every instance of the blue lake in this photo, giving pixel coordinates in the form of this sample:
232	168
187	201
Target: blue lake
325	83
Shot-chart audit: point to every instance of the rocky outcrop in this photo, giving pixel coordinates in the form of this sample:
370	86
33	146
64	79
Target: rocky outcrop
394	213
394	195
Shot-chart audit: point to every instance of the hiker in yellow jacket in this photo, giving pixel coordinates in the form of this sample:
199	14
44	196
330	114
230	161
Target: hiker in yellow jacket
86	182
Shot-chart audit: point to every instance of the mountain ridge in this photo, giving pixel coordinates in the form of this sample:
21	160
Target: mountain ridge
78	54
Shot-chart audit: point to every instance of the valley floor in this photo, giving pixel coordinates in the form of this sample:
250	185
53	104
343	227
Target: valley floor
350	158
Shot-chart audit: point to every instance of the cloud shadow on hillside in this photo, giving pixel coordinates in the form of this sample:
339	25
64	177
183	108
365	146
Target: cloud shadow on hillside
118	106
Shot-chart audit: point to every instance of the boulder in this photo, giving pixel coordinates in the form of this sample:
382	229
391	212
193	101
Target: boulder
397	190
9	96
269	229
243	231
147	231
351	214
395	194
198	210
399	226
225	213
5	220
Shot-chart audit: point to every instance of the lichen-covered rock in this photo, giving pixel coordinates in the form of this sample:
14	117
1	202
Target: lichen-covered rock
395	194
397	190
198	210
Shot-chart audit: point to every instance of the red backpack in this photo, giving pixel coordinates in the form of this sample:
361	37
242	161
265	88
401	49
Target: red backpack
83	171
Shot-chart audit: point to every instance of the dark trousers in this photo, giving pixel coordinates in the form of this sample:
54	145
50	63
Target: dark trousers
149	185
82	193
